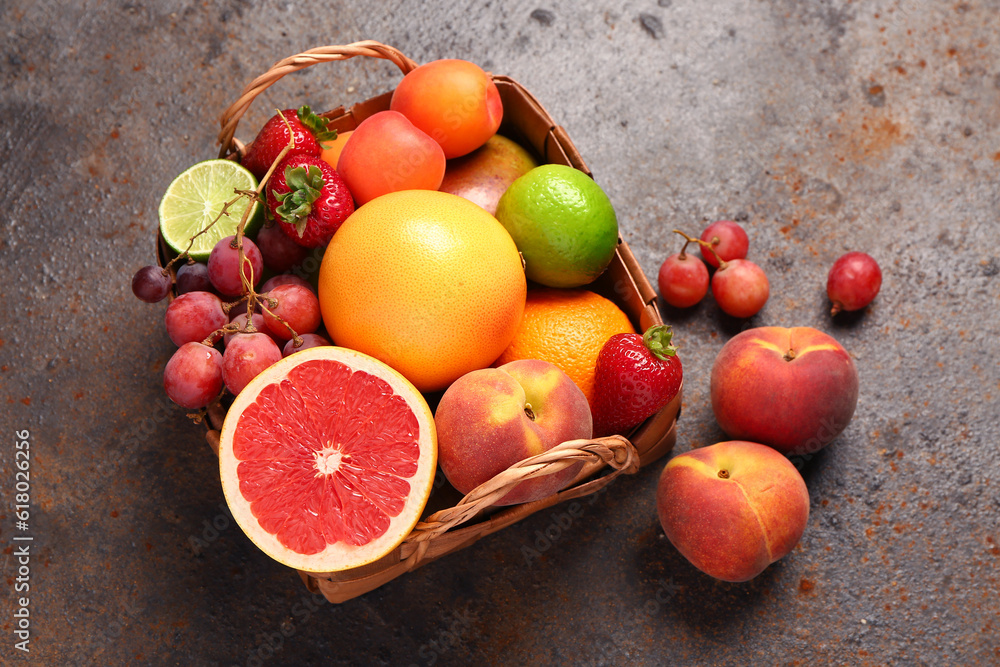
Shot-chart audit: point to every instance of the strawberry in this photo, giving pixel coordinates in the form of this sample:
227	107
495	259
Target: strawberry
309	200
308	130
635	377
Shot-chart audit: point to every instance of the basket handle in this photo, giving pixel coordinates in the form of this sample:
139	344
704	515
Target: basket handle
615	451
369	48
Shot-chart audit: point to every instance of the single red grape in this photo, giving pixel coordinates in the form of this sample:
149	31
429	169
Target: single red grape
683	280
297	306
245	357
151	284
853	282
740	287
224	266
279	251
308	340
192	317
241	321
193	277
193	376
728	240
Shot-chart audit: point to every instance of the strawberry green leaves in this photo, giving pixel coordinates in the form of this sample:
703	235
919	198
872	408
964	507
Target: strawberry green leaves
657	341
308	199
296	204
316	124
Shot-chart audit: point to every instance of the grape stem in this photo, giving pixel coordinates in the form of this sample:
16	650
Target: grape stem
249	294
703	244
687	240
224	212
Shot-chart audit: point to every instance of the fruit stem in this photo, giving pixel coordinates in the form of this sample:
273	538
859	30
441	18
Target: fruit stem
240	194
251	296
528	411
706	244
723	474
687	240
657	340
703	244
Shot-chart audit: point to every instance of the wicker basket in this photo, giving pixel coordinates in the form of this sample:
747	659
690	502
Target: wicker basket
451	524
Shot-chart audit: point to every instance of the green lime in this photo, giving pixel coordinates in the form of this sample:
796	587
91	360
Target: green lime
563	224
196	197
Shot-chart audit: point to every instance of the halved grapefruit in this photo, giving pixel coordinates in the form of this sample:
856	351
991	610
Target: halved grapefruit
327	459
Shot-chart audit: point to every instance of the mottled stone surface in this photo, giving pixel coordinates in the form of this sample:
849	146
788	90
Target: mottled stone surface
823	126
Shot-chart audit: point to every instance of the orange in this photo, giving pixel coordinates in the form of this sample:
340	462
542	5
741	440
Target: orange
425	281
567	328
327	459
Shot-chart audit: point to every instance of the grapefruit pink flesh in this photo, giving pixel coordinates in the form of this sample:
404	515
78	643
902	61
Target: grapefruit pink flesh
329	460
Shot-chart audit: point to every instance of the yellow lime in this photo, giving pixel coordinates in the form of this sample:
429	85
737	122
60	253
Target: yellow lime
196	197
562	222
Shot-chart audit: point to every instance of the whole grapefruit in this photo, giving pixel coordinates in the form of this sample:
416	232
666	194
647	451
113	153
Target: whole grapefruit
425	281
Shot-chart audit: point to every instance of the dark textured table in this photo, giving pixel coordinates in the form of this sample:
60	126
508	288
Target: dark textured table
823	126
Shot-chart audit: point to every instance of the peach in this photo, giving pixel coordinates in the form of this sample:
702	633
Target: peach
489	419
793	389
484	175
387	153
732	508
454	101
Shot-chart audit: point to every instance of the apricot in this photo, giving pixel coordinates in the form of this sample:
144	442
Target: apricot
490	419
793	389
732	508
454	101
387	153
333	149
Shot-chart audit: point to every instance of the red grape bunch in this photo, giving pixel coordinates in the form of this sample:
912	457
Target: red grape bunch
739	286
226	328
223	344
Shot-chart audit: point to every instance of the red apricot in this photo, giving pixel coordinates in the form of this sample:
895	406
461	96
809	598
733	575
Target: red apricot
387	153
